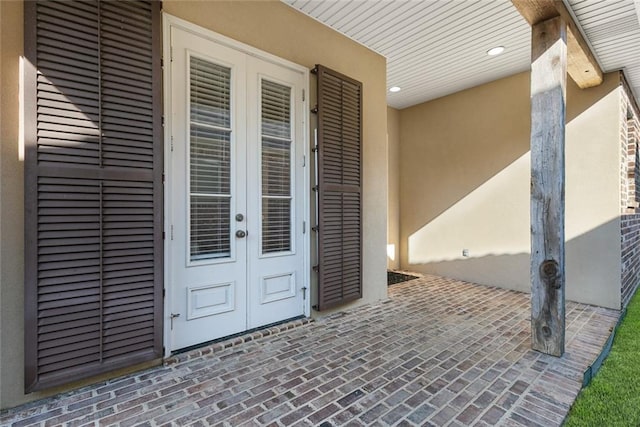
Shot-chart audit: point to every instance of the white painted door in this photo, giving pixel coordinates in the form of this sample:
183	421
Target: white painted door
235	199
275	189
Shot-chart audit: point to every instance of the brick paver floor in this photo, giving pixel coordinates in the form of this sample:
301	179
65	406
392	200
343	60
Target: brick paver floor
438	352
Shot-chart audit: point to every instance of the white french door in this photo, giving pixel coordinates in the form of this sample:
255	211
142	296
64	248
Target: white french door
235	200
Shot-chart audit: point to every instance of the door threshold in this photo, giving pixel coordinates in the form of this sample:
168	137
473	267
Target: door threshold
219	344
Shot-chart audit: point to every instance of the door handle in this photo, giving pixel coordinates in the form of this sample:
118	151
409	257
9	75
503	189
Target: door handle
173	316
241	233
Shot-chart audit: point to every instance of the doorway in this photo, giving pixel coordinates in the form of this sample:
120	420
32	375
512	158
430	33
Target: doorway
236	191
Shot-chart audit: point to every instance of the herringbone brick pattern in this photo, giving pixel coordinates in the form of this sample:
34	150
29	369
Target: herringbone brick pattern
438	352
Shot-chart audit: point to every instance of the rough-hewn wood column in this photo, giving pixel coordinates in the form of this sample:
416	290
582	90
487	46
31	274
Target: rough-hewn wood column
548	100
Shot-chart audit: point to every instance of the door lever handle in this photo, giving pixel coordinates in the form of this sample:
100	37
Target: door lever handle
173	316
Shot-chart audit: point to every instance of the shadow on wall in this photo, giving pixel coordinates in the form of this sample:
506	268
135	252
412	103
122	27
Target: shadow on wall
586	283
453	145
466	186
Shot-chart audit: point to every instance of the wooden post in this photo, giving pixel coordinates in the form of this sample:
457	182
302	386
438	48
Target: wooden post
548	100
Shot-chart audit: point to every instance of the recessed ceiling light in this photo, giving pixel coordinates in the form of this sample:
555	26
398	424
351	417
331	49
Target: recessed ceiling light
394	89
495	51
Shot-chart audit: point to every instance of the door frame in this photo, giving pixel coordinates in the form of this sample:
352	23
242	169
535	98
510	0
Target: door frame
169	21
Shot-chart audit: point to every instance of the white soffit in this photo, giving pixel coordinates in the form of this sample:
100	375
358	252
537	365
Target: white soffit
433	47
438	47
613	29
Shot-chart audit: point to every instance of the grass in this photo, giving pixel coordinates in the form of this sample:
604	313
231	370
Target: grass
613	397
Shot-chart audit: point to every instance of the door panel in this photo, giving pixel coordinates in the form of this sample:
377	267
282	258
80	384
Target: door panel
208	188
276	193
236	195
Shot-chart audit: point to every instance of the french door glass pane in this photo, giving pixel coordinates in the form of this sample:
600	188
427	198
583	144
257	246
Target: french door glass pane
276	167
210	160
209	227
210	93
276	225
276	110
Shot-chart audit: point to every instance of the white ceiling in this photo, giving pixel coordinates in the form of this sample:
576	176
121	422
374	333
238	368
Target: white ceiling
613	30
437	47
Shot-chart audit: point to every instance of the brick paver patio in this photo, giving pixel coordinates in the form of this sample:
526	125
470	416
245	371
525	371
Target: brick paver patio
438	352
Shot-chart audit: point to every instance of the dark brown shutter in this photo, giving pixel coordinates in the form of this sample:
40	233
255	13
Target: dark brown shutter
93	188
339	188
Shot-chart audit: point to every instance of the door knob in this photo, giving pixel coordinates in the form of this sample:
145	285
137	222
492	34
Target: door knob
239	217
241	233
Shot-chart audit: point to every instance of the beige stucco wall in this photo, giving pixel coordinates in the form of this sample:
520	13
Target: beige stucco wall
593	194
270	26
465	185
393	188
11	207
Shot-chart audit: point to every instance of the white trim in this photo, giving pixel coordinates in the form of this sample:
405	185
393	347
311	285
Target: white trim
169	22
166	109
305	159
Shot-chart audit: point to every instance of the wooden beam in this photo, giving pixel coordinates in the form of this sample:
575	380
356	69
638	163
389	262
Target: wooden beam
548	105
582	65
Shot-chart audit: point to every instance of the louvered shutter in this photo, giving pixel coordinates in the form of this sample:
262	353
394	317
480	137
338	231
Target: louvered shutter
339	188
93	188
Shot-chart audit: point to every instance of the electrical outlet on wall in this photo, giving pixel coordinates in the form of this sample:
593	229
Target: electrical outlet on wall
465	252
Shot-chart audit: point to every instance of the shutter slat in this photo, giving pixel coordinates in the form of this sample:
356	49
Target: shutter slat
66	287
72	63
69	319
127	16
122	88
133	71
67	23
64	360
80	54
116	281
54	332
51	343
54	37
127	348
133	38
339	195
116	77
138	318
127	287
81	13
125	334
78	91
